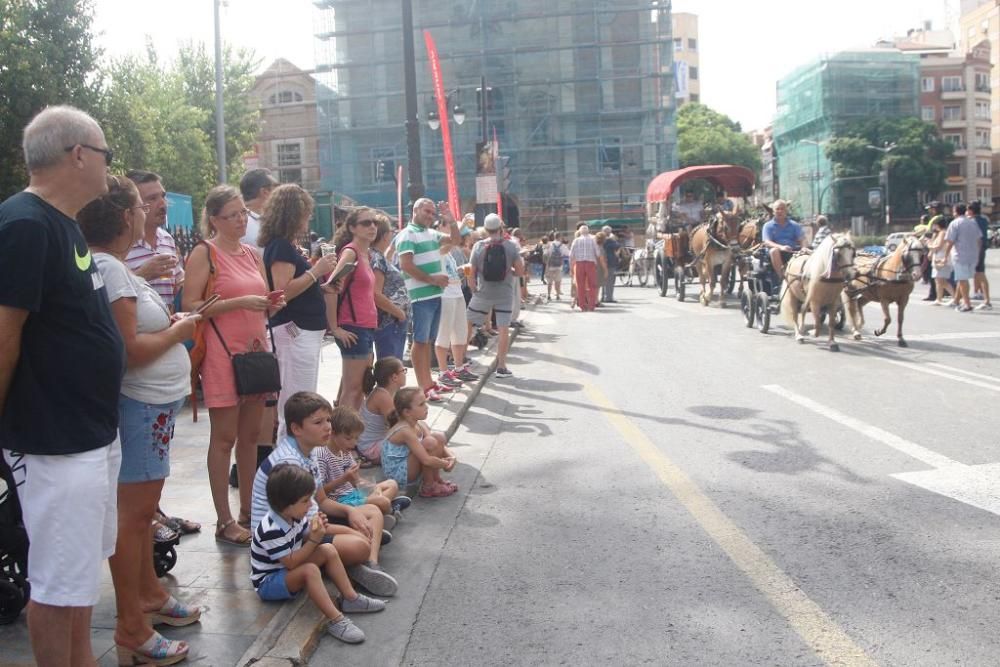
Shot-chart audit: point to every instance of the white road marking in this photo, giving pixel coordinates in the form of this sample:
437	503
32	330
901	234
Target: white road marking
923	367
990	378
911	449
964	335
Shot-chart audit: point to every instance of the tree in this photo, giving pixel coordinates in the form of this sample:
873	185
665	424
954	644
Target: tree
705	136
48	58
916	164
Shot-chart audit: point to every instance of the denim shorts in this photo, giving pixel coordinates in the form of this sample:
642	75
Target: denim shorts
146	431
355	498
390	340
426	318
273	587
964	271
363	346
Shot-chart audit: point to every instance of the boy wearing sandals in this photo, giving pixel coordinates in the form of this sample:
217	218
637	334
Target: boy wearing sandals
288	554
307	418
339	471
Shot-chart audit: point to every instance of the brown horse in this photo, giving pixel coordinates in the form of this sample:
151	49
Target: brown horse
887	280
816	281
710	243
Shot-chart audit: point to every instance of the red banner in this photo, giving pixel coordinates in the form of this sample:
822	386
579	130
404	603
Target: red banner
496	161
399	193
442	104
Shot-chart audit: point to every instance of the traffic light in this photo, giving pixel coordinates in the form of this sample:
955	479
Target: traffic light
503	173
379	171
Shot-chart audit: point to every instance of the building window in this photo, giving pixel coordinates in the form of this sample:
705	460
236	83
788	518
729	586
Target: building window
609	154
983	82
952	197
927	84
984	194
290	176
289	154
692	44
956	140
927	114
955	169
983	139
952	113
284	97
951	84
693	73
983	169
983	110
695	97
678	44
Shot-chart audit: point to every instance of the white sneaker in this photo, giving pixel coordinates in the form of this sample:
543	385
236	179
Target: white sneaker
985	306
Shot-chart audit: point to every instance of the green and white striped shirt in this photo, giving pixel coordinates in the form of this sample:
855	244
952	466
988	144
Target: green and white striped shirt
425	246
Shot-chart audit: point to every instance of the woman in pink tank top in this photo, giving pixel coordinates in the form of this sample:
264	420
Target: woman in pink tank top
239	316
355	318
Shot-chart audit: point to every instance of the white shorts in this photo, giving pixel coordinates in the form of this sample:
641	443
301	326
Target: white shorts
454	327
964	271
70	509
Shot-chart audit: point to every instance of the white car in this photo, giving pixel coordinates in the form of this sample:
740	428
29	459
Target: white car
893	240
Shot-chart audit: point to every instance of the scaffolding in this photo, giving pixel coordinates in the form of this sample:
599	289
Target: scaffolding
818	100
581	97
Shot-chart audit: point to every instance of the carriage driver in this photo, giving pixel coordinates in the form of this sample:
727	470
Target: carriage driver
782	236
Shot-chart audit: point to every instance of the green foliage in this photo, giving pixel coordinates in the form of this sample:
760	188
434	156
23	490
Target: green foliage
705	136
916	165
46	57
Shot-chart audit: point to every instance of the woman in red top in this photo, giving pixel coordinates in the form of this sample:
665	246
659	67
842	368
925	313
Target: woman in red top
355	318
240	317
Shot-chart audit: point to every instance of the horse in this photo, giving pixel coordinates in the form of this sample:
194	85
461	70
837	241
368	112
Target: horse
710	244
816	281
887	279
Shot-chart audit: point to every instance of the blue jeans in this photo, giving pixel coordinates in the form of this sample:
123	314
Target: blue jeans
390	340
426	317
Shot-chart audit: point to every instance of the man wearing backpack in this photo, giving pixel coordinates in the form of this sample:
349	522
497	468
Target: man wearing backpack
554	264
494	260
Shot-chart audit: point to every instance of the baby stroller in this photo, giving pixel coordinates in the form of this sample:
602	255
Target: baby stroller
14	587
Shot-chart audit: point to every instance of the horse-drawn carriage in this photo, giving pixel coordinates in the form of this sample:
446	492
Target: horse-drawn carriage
706	251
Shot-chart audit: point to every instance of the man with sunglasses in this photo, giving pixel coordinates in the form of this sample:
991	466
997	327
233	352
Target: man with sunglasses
61	366
154	256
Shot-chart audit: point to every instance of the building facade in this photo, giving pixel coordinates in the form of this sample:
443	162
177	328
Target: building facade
580	94
980	20
687	65
819	99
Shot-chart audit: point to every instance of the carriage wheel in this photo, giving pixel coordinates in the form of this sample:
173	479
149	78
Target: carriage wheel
763	312
747	306
731	287
679	282
642	272
624	277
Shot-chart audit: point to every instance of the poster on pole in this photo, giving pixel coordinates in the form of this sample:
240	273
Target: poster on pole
399	193
442	107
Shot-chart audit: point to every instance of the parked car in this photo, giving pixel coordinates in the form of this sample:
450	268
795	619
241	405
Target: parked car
893	240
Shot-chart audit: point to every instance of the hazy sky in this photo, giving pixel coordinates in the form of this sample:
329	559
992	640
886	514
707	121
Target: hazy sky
746	46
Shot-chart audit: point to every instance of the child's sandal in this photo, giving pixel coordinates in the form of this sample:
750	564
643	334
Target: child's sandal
435	491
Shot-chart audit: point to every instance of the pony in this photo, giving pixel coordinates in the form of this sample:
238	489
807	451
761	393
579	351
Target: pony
711	245
816	281
887	279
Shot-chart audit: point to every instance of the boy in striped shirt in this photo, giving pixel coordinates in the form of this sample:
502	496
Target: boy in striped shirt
288	554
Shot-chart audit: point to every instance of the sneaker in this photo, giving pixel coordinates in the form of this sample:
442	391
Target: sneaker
466	375
400	503
937	303
503	373
449	379
373	578
361	605
441	389
433	396
985	306
388	521
977	297
964	309
386	537
345	631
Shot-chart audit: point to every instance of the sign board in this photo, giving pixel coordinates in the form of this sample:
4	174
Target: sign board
875	198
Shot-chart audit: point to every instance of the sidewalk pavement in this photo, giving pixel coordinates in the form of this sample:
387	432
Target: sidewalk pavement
236	627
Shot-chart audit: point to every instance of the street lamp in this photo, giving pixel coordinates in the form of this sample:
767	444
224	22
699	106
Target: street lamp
814	177
220	121
885	149
457	111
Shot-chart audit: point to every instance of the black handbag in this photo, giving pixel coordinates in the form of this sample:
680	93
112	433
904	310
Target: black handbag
256	371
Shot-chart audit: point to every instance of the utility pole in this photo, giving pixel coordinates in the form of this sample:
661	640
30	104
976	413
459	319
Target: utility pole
414	172
885	149
220	119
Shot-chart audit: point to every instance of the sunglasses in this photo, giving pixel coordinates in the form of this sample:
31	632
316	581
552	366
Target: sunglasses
367	222
109	155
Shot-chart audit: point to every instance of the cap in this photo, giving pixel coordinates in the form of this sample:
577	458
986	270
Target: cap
254	180
492	222
934	204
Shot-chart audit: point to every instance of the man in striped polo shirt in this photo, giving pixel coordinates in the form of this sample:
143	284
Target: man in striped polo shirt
154	256
419	248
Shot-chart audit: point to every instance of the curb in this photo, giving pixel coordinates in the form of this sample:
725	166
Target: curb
292	635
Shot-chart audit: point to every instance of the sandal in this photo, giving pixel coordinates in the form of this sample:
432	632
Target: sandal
435	491
175	613
156	650
162	533
450	484
220	534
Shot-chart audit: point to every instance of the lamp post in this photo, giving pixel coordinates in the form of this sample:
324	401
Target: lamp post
414	171
885	149
815	176
220	122
457	111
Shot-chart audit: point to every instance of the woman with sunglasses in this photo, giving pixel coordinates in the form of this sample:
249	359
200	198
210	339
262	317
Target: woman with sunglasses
355	317
157	379
239	320
298	328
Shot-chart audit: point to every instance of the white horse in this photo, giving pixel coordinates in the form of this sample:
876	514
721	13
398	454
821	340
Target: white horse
816	281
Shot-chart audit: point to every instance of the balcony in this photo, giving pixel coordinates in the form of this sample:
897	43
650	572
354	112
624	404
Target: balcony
953	123
953	94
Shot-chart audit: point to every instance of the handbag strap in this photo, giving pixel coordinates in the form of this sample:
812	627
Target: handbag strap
211	320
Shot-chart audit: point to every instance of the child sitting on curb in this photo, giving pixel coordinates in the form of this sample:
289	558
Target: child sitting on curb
381	383
307	418
411	453
339	473
287	554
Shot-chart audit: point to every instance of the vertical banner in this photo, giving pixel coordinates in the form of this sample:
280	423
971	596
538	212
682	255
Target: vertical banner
399	193
442	104
496	161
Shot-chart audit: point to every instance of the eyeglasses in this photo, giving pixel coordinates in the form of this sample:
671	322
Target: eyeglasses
145	207
367	222
109	154
229	217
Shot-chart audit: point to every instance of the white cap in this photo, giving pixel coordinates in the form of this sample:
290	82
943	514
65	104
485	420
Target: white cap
492	222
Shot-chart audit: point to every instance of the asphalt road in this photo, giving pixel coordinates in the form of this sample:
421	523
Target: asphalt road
660	485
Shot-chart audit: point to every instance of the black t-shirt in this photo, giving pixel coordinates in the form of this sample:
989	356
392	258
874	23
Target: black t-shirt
307	310
63	398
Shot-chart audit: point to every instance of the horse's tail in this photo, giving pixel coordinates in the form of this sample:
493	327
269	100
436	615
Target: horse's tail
790	306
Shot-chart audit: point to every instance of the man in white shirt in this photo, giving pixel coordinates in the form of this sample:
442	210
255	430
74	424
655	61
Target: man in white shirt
690	210
154	256
256	186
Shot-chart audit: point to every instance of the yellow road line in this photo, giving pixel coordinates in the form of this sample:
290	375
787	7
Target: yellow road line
818	630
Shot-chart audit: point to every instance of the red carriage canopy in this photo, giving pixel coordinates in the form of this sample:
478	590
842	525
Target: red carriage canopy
734	180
